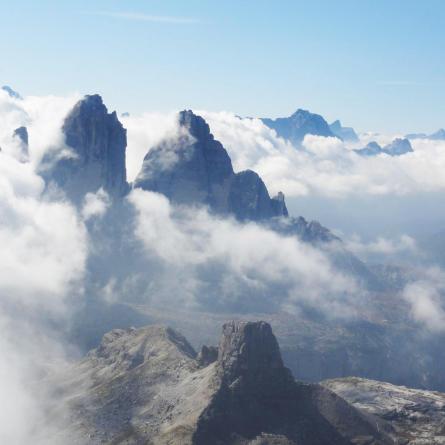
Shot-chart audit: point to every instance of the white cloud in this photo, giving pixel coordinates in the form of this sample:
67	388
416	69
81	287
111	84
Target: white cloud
381	245
326	167
42	115
42	261
427	300
233	262
143	133
95	205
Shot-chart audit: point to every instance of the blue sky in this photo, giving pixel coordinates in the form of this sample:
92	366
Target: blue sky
377	65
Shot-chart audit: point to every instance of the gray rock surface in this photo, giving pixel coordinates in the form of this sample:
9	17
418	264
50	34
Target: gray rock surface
95	159
295	127
418	416
145	386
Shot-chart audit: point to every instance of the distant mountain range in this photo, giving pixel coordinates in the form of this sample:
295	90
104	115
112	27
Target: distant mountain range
397	147
439	135
295	127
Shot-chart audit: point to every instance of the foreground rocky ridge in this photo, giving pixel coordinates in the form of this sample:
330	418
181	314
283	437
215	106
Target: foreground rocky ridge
147	386
418	416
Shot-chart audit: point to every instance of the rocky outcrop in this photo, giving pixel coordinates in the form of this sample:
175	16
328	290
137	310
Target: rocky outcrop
417	416
345	133
195	169
147	386
95	158
295	127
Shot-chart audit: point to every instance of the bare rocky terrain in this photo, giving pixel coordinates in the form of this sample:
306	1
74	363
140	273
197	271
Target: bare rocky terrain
418	416
148	386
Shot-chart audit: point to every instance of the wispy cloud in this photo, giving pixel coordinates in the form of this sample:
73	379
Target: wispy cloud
141	17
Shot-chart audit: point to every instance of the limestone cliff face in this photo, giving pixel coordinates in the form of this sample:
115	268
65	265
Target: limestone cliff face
96	141
196	169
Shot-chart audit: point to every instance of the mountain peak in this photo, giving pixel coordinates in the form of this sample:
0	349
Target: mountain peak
295	127
11	93
196	169
97	142
195	124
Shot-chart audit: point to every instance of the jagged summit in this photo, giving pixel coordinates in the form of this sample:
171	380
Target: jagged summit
147	386
96	159
196	169
345	133
295	127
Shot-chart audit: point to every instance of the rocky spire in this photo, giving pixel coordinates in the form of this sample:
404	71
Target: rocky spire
194	168
97	142
249	354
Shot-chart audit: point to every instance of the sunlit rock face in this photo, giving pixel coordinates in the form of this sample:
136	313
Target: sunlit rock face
195	169
95	152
